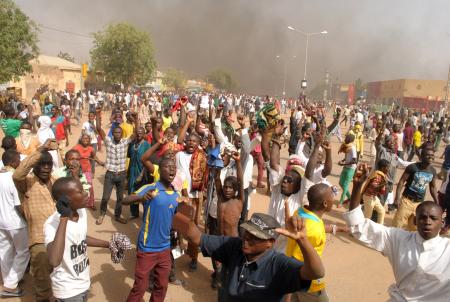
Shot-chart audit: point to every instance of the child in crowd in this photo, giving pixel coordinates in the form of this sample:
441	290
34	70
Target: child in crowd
66	240
87	153
148	132
374	187
90	129
230	200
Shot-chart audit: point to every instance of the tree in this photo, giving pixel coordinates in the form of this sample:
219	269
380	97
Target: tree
66	56
174	78
124	54
221	79
18	42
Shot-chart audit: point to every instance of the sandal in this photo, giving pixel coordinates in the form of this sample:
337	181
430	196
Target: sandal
99	221
121	220
6	294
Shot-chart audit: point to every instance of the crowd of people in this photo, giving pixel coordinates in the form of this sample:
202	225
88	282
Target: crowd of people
186	163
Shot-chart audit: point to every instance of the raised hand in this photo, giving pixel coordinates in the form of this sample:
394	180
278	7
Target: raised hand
150	195
361	174
162	140
294	226
280	128
318	138
50	144
236	156
75	169
190	118
326	145
241	121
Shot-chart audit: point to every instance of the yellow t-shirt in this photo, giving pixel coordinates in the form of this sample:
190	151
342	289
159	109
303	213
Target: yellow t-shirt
127	129
315	231
417	137
167	121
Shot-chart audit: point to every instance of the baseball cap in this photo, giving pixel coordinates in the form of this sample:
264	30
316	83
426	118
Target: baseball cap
261	226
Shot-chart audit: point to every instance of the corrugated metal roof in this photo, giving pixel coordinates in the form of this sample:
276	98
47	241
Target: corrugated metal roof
55	61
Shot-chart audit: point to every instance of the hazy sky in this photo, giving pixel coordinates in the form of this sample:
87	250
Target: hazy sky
373	40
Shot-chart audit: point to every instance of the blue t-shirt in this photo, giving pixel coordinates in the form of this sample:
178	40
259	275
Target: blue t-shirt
48	110
417	181
154	235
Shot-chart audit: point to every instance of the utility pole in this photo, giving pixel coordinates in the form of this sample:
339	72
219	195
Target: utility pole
447	91
325	90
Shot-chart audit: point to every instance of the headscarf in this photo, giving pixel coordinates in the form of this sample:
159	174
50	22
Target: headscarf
25	137
295	164
45	131
226	146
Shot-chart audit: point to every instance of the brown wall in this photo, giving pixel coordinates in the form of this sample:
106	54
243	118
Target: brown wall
46	75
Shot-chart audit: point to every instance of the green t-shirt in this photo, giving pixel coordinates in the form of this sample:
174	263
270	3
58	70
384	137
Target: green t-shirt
10	126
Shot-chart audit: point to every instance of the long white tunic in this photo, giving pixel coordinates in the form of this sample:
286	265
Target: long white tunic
421	267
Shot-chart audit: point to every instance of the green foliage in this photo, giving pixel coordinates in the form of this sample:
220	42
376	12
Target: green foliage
66	56
18	42
222	79
124	53
175	79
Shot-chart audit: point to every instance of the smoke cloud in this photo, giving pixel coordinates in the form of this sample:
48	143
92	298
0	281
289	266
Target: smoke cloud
372	40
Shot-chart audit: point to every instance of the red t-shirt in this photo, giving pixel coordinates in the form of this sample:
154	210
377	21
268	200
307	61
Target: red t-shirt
149	138
85	154
59	123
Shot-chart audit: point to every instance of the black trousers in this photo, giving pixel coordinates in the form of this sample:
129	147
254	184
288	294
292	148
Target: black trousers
113	180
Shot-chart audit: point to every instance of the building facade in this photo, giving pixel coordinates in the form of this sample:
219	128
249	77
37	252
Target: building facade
56	73
418	94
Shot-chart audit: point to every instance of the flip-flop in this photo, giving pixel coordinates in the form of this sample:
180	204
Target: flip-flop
17	293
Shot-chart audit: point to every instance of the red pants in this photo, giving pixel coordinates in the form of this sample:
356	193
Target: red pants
258	158
145	262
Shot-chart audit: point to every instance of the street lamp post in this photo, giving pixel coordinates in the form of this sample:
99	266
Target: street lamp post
308	36
285	73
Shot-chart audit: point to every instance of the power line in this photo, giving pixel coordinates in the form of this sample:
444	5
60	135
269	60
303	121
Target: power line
65	31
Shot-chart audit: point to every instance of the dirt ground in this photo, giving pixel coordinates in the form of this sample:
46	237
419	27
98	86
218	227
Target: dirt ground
353	272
